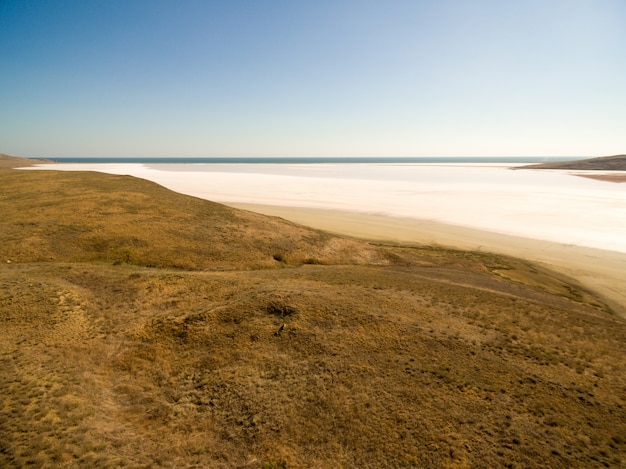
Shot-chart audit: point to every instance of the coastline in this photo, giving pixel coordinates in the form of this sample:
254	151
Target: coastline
620	177
544	205
601	271
598	270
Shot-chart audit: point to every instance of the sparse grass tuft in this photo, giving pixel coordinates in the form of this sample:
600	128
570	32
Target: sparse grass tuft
275	465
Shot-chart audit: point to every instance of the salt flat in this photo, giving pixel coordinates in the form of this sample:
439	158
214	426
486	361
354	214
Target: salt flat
546	205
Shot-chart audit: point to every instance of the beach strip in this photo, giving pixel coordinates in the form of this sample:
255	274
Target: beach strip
603	272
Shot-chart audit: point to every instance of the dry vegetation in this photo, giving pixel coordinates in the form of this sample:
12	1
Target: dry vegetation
142	328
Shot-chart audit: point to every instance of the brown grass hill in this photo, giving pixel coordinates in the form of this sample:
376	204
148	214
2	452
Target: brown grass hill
7	161
87	216
605	163
143	328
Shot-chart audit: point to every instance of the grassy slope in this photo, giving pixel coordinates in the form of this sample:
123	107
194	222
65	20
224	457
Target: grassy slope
80	217
161	345
605	163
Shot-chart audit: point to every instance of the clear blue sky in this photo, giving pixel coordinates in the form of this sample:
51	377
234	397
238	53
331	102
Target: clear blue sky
312	78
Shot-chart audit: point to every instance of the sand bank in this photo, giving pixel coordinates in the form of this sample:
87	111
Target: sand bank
603	272
605	177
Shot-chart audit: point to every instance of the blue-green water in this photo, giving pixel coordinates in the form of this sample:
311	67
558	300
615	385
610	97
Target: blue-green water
313	160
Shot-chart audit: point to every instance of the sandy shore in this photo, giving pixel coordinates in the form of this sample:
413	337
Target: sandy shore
603	272
605	177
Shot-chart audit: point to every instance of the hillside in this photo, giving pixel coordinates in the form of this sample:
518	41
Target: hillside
87	216
8	161
605	163
144	328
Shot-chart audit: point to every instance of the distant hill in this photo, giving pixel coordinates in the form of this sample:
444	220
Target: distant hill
606	163
8	161
144	328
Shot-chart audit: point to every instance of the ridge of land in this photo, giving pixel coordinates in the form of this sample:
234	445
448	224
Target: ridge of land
604	163
145	328
8	161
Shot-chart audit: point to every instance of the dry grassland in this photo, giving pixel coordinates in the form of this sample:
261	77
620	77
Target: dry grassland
142	328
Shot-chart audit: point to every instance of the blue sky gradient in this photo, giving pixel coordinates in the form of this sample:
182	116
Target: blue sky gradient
323	78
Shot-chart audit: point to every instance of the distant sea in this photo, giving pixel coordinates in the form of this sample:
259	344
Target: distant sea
319	160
